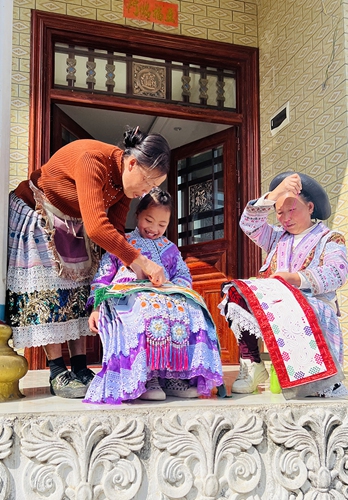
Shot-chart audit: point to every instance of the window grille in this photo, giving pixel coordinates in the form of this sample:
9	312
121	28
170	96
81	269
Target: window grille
118	74
201	197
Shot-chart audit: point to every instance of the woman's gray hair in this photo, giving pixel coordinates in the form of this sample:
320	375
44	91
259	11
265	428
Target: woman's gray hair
151	151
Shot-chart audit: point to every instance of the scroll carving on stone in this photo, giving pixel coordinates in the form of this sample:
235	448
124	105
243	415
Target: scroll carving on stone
6	443
208	454
84	460
310	461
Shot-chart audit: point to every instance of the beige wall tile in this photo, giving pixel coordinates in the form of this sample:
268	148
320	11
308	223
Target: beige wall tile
109	16
209	3
231	27
81	11
185	18
13	142
72	2
167	29
29	4
247	40
21	26
24	39
52	6
206	22
242	17
215	13
220	36
97	4
116	5
138	23
234	5
250	8
193	8
194	31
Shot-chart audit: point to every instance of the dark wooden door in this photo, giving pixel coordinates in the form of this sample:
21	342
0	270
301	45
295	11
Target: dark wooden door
204	181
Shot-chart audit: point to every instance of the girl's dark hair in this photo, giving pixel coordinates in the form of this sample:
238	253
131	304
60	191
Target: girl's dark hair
151	151
155	198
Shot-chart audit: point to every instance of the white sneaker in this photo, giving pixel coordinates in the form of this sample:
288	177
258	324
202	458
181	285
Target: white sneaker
153	391
249	377
180	388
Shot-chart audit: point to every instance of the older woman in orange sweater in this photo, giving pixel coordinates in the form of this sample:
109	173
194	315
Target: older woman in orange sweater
79	199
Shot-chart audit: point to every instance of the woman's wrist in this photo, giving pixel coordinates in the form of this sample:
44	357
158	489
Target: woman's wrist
141	261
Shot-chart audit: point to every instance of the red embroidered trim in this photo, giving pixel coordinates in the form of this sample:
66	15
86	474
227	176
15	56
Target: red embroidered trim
270	340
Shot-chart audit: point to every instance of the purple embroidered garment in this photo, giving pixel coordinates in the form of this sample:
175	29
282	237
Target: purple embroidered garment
149	334
325	271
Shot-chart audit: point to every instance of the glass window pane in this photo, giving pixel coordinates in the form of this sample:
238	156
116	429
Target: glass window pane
81	71
100	79
176	85
194	83
179	205
135	58
120	77
230	93
60	69
212	90
202	204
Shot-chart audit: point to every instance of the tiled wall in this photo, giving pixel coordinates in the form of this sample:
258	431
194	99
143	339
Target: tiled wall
230	21
303	60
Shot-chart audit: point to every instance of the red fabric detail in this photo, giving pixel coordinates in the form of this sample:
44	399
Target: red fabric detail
271	343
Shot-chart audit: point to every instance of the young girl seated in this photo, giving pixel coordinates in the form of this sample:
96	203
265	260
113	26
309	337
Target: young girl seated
156	341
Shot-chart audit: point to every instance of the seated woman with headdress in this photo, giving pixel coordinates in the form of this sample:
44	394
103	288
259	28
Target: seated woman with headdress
292	304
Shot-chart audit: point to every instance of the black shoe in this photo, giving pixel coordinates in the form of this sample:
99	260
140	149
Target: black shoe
85	376
67	385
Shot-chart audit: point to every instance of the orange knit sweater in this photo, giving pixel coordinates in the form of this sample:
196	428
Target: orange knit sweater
83	179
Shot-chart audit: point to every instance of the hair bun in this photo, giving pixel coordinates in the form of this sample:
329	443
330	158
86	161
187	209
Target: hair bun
133	137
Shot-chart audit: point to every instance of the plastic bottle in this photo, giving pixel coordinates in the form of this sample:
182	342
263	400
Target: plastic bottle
274	382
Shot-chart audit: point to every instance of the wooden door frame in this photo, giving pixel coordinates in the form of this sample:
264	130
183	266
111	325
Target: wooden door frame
213	262
49	28
225	252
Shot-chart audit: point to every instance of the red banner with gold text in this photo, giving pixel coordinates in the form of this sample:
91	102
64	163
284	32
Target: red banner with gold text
151	11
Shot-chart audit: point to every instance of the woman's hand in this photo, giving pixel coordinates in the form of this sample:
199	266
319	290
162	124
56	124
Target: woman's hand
93	321
291	184
291	278
138	271
153	271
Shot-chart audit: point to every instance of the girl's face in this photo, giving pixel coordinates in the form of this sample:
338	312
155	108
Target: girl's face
138	180
153	221
294	214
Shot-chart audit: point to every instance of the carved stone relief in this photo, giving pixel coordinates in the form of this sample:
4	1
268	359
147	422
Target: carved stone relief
6	443
311	457
85	460
209	455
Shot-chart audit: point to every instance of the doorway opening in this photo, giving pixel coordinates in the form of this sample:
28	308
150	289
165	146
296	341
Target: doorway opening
199	119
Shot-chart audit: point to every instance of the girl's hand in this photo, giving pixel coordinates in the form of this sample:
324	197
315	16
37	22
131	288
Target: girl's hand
291	278
291	184
93	321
